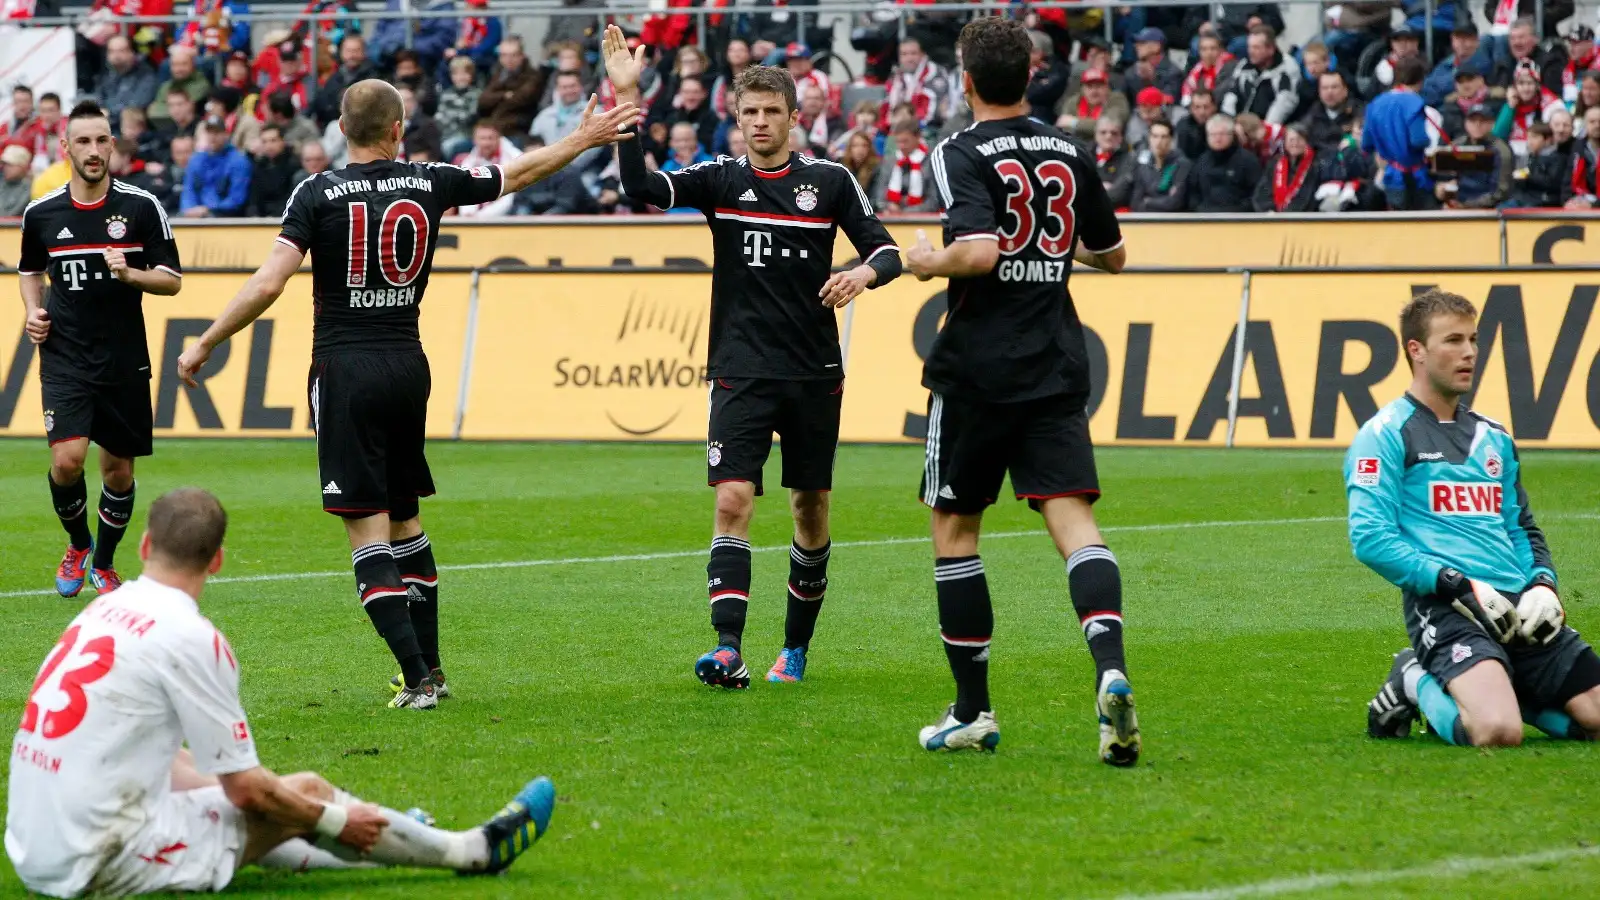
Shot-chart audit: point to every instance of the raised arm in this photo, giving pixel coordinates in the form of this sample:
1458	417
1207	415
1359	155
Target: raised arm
623	68
594	131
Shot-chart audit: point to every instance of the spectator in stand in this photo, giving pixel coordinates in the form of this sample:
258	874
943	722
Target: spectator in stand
353	67
489	148
420	133
313	159
1466	51
217	182
860	158
1115	163
1150	106
1588	98
51	177
797	59
1212	71
1519	46
214	28
49	129
1398	131
1562	128
1079	112
686	151
1314	63
688	62
904	183
274	175
1047	83
147	145
1333	116
16	180
296	130
562	193
19	127
820	130
568	58
563	116
1480	189
693	105
243	131
408	72
1153	68
1471	90
185	77
236	75
920	82
181	116
1582	189
1233	23
1190	131
863	120
735	59
479	37
291	77
1264	139
1375	71
458	107
1540	178
1266	83
1097	58
1527	102
1498	12
1352	27
430	37
1161	174
1224	178
510	98
164	179
1578	59
127	80
1290	181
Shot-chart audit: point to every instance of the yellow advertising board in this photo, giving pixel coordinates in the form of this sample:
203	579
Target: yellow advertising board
1170	241
1533	240
255	384
1323	354
1154	343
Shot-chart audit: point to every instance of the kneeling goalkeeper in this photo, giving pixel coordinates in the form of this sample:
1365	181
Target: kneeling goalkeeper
1437	508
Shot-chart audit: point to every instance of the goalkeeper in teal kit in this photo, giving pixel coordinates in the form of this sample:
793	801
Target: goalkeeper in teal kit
1437	508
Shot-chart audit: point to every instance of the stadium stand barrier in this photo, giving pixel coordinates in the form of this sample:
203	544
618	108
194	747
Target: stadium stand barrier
591	345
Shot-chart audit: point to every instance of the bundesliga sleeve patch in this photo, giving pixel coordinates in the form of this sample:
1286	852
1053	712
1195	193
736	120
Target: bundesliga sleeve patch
482	172
1367	471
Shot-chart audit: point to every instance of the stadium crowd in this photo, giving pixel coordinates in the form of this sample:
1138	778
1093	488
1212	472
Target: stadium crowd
1193	109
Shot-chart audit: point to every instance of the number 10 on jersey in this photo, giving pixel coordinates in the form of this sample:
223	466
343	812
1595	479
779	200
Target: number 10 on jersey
389	265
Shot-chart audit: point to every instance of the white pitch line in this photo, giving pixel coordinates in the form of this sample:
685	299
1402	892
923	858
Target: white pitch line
1446	868
685	554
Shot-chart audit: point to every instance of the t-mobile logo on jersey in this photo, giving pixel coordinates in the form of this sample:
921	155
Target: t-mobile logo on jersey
76	272
757	246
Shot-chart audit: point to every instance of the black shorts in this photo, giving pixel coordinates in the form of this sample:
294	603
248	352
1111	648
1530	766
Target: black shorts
1448	644
116	416
370	411
745	412
1043	443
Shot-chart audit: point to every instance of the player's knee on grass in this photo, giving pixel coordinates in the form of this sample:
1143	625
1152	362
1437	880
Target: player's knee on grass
310	784
116	473
736	501
1585	710
67	459
955	535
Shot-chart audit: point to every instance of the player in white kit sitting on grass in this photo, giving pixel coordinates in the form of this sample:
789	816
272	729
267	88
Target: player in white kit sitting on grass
104	799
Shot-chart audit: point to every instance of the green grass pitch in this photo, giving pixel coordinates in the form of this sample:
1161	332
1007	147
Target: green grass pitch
1253	647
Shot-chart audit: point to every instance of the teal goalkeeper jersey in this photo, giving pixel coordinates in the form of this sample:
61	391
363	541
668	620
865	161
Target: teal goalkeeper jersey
1426	494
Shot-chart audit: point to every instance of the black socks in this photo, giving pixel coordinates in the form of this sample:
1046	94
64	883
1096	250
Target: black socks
414	559
808	583
1096	586
383	596
728	583
70	502
966	621
115	511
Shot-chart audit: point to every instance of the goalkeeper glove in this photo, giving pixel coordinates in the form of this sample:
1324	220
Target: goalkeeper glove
1484	605
1540	612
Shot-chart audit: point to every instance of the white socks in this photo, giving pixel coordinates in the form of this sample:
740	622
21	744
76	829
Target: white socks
407	842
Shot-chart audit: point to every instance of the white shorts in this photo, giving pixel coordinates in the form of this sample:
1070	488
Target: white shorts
193	841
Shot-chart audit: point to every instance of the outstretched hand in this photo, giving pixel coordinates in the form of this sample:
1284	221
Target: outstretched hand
623	66
603	129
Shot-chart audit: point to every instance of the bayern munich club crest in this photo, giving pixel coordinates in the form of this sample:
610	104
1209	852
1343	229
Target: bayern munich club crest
714	453
805	197
117	227
1493	466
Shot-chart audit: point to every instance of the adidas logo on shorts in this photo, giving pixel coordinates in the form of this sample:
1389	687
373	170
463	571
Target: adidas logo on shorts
946	493
331	488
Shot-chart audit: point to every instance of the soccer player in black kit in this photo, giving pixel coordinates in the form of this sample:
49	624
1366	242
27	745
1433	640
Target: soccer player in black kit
105	244
1009	378
774	358
371	229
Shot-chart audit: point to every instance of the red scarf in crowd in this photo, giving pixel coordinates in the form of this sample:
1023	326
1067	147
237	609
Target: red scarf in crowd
905	182
1085	111
1286	184
1573	73
912	87
1505	12
1202	76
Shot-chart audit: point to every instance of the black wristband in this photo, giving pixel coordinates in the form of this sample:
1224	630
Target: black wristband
1452	583
1543	578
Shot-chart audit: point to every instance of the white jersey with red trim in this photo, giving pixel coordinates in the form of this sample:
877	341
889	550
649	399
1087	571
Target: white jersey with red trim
96	322
371	229
772	234
137	674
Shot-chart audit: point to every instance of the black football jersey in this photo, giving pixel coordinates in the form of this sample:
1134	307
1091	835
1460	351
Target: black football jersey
371	229
1012	334
96	322
772	235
